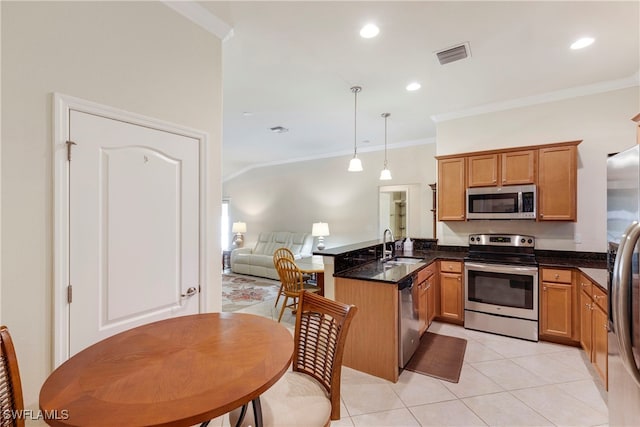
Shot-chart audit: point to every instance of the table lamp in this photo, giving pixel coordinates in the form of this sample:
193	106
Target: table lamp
320	230
238	228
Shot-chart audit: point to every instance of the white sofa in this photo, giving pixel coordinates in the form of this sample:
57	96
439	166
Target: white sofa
258	261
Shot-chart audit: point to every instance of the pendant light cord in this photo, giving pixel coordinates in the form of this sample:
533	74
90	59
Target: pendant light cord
385	115
355	90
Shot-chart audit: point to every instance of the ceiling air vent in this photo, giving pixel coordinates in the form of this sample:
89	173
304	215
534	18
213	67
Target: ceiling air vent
454	53
279	129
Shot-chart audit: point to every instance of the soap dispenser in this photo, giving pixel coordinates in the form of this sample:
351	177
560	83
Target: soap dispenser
408	245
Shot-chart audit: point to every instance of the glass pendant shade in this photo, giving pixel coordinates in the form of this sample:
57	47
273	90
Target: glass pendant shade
355	165
385	175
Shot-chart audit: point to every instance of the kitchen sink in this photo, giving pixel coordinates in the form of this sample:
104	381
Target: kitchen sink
404	260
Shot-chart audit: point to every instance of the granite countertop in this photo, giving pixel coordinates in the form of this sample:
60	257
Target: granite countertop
379	271
594	269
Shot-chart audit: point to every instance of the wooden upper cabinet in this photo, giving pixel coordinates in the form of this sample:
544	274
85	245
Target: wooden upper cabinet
508	168
552	167
482	171
557	182
518	167
451	189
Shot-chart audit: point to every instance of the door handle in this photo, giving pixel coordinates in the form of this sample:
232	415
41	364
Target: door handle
621	294
190	292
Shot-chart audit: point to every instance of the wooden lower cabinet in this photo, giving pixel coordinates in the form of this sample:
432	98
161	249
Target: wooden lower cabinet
594	326
600	343
425	294
431	299
557	294
451	292
420	295
586	334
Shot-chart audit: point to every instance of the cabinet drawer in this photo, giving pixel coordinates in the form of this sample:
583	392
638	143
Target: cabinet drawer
556	275
600	298
426	272
450	266
586	286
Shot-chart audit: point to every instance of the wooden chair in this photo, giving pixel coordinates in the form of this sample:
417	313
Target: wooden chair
285	253
293	284
309	395
281	253
10	385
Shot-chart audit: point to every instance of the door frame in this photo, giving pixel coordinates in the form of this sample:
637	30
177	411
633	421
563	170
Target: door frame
62	106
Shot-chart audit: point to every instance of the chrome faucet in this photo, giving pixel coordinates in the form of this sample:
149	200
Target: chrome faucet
386	254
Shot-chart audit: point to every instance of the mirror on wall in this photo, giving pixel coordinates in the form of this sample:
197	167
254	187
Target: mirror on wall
394	210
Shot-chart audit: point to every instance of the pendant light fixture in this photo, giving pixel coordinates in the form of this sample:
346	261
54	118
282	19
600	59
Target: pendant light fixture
385	175
355	165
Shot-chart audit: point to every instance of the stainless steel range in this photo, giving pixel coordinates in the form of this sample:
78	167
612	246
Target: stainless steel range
501	285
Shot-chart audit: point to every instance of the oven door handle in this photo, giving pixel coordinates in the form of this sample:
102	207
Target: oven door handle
499	268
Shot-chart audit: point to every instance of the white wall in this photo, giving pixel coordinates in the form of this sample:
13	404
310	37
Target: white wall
601	121
137	56
293	196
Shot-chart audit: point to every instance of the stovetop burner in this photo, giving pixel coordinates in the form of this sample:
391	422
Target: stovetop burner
502	249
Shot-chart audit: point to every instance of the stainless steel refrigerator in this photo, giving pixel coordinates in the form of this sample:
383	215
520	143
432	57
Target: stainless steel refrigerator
623	234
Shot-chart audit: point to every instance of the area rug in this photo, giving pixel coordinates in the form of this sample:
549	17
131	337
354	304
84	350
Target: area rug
439	356
239	291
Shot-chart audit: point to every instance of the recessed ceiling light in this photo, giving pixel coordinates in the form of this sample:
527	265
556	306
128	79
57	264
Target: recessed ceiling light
247	113
583	42
413	86
369	31
279	129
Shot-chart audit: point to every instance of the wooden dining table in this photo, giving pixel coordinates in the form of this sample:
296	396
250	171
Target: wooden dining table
313	265
176	372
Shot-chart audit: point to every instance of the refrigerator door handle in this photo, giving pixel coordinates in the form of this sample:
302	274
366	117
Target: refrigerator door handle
621	294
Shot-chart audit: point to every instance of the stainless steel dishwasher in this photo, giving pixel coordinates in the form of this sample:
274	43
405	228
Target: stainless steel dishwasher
408	326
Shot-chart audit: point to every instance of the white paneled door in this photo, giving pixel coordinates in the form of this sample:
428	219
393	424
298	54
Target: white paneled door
134	226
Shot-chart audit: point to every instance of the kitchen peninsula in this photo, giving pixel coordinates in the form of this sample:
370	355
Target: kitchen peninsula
374	344
360	278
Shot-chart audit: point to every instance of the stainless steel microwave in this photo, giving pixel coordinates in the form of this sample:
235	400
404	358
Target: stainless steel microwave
511	202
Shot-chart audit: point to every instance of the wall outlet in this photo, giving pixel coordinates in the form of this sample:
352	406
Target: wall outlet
577	238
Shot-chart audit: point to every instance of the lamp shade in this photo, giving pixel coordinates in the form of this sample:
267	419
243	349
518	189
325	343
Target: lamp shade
320	229
239	227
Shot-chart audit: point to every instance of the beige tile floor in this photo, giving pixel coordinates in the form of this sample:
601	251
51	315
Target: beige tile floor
504	382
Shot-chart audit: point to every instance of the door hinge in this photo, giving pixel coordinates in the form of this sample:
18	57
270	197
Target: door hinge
69	144
69	294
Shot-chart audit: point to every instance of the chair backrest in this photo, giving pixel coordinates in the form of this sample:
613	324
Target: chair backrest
282	253
321	332
10	385
290	276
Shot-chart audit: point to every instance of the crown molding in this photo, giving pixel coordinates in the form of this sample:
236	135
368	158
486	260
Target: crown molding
202	17
633	80
371	149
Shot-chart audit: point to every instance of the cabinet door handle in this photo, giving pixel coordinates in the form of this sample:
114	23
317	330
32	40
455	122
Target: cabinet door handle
557	276
544	288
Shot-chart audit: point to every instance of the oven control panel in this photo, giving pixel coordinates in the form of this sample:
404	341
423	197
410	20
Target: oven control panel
511	240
